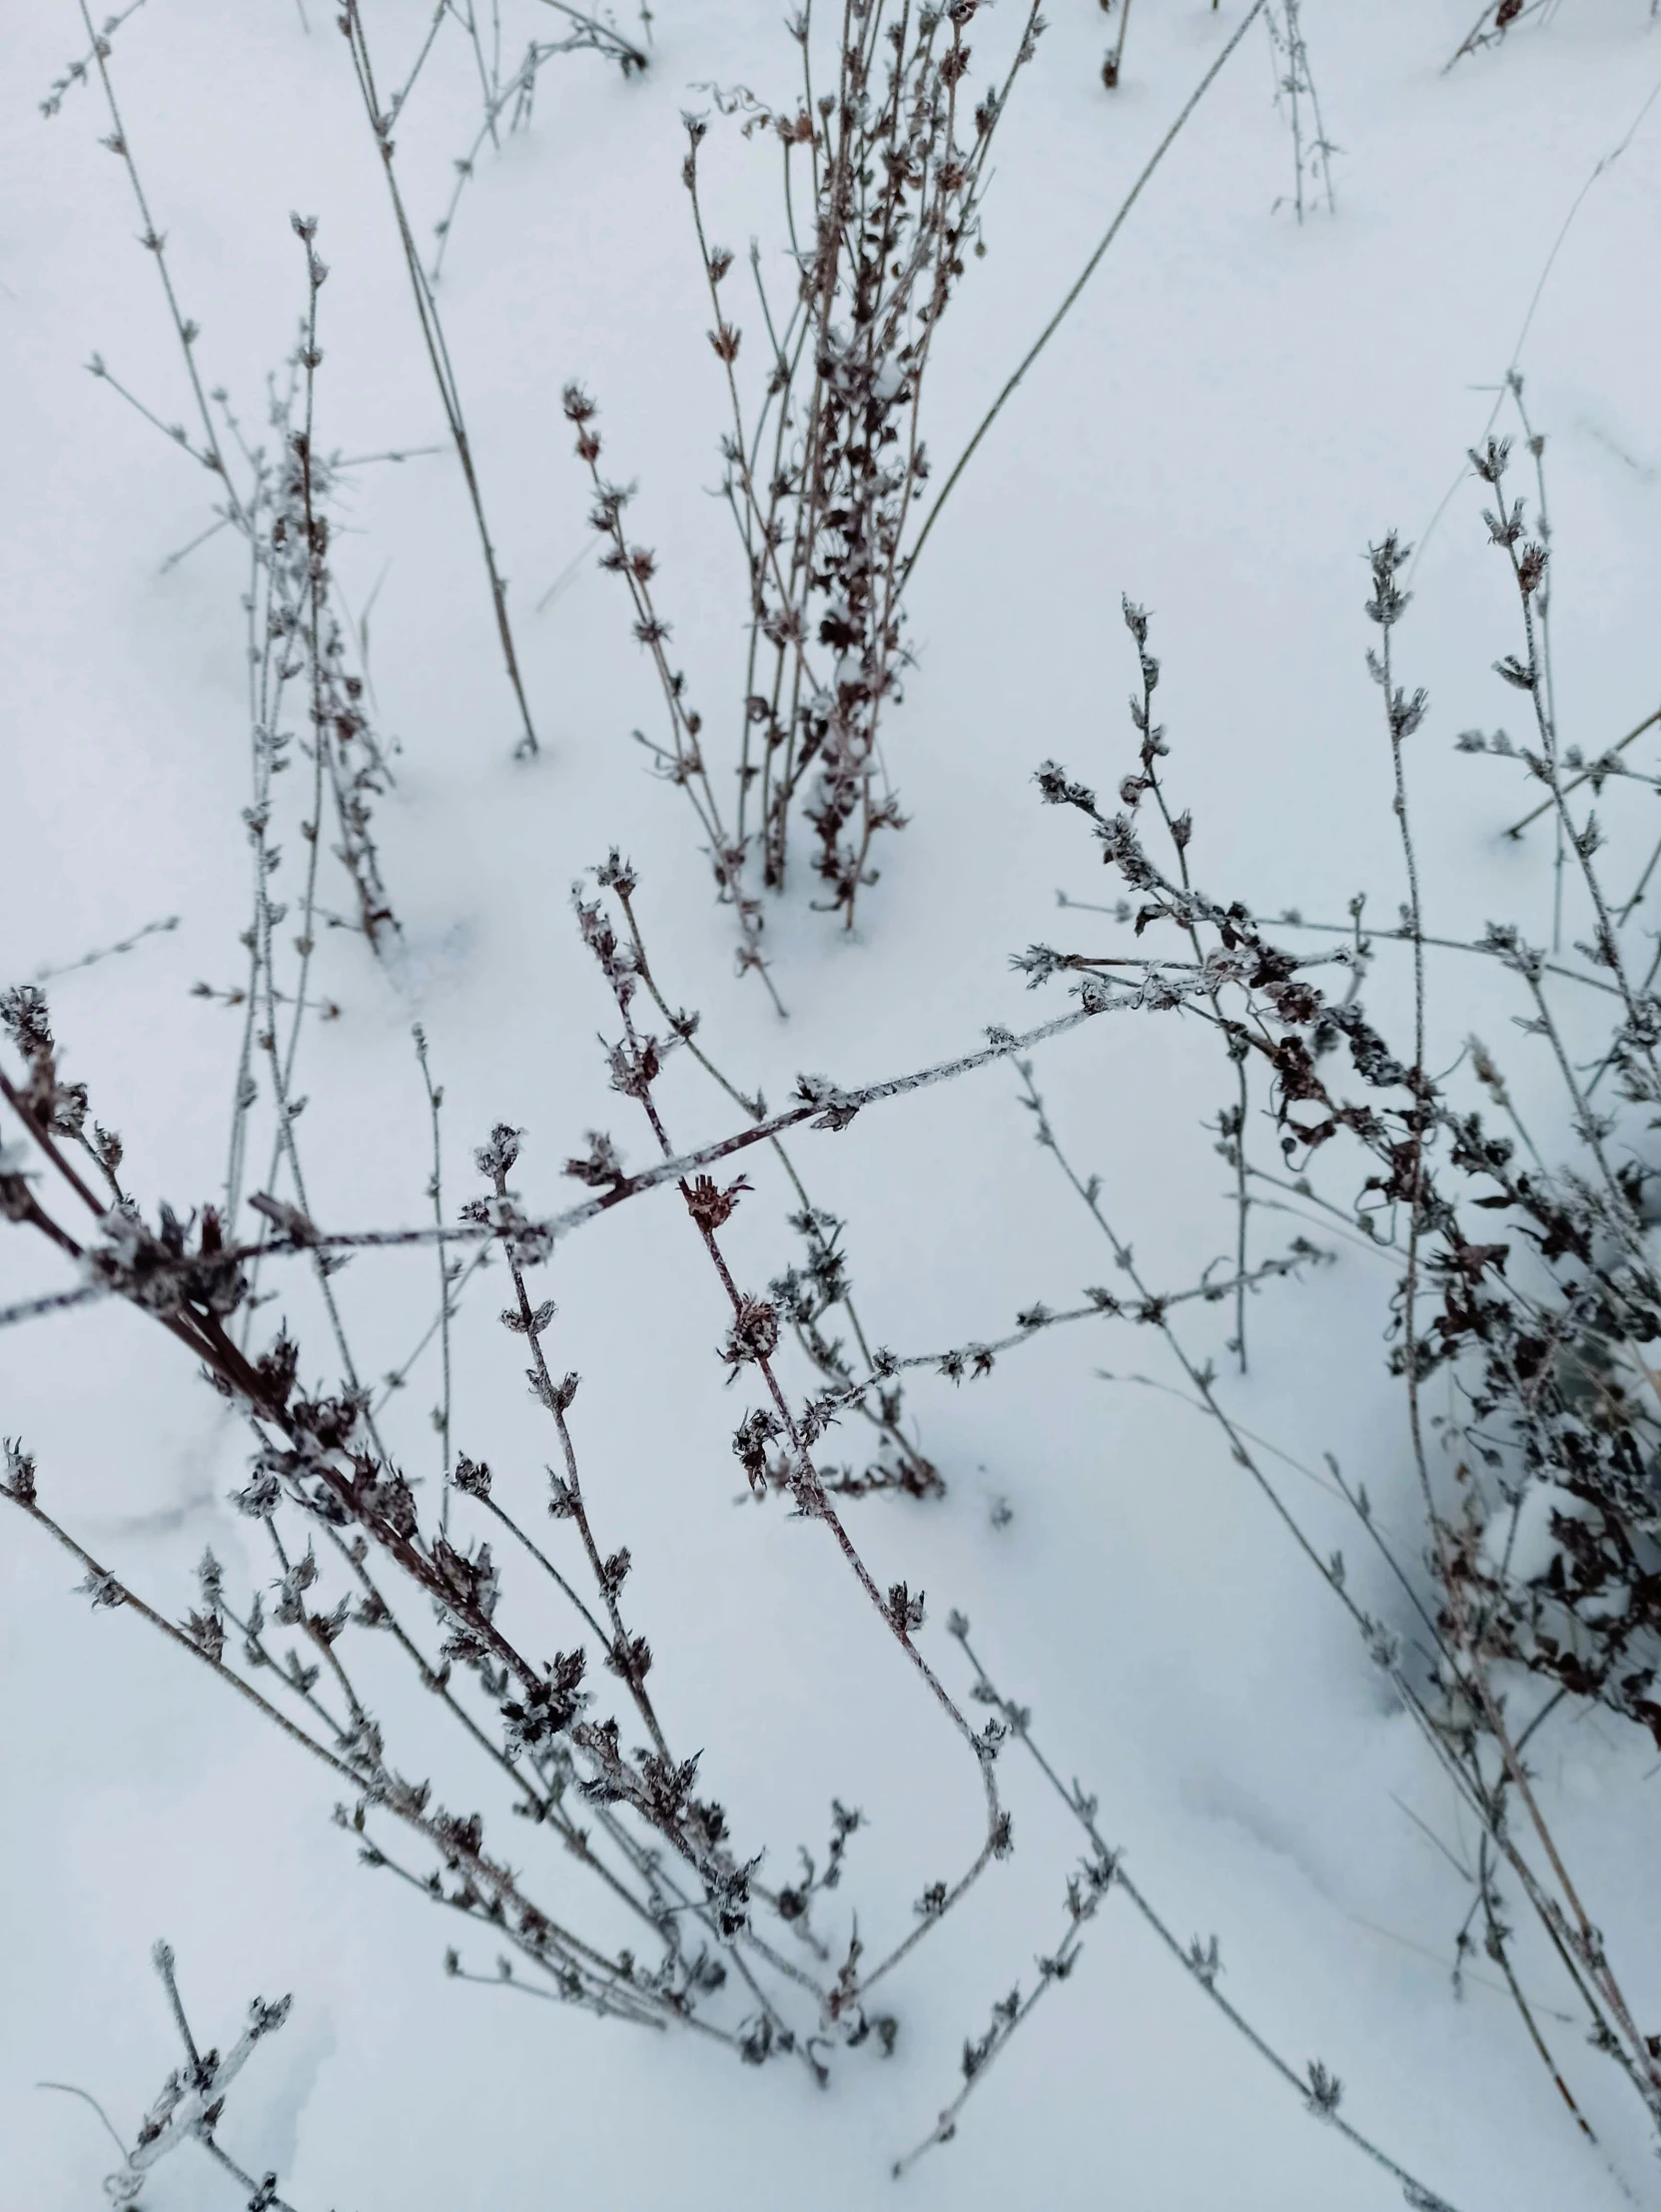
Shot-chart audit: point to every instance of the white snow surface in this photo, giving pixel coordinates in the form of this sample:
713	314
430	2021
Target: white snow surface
1235	407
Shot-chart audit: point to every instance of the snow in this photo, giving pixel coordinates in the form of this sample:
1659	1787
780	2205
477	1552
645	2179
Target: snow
1237	406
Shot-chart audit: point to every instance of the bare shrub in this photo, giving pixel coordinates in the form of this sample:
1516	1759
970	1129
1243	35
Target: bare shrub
644	1898
1539	1315
650	1905
884	173
1532	1289
688	1934
647	1903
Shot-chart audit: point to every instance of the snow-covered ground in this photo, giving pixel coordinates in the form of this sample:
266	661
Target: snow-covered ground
1235	407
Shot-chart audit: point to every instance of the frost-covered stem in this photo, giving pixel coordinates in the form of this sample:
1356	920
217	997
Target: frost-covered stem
1547	806
286	1147
1291	85
618	1641
1050	329
1201	1379
1322	148
1151	748
682	1028
978	2060
170	1983
240	1098
435	1100
974	1355
1118	54
396	1378
634	1076
752	502
154	242
263	2194
1530	570
686	767
122	1596
519	92
438	353
685	725
315	577
828	1107
605	1992
1498	1949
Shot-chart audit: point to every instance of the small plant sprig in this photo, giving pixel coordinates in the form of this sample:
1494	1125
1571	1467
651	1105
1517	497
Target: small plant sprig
1491	27
1295	85
382	120
1100	1873
83	68
162	928
191	2103
508	102
809	1295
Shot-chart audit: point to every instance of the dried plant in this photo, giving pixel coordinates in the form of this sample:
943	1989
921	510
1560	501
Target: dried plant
1100	1872
280	506
1491	27
644	1897
1541	1510
824	465
1295	89
511	96
883	176
809	1296
191	2104
340	1518
1115	52
299	639
680	1929
383	118
1499	17
509	101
